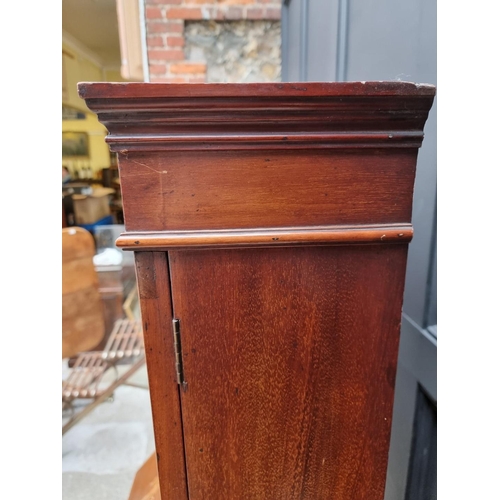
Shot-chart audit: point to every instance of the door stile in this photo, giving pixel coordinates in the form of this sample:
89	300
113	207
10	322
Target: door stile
156	310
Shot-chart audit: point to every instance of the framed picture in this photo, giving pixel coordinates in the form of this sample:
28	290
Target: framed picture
69	113
75	144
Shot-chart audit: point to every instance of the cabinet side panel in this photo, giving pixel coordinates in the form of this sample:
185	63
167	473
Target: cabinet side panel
289	357
156	310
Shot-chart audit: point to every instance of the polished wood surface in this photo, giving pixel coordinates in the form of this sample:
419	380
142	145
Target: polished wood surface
272	221
83	325
156	312
234	189
289	358
319	235
137	91
147	117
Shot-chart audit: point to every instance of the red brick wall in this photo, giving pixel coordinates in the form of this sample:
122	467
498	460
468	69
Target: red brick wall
165	32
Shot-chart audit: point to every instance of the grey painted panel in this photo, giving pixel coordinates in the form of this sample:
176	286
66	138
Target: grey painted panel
422	480
342	51
427	29
293	41
423	218
383	39
418	304
416	367
431	315
304	39
401	434
418	354
322	40
284	40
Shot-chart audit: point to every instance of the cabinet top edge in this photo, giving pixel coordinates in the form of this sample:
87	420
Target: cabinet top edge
96	90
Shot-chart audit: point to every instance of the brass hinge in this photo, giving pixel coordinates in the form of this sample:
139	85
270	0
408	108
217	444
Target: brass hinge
178	353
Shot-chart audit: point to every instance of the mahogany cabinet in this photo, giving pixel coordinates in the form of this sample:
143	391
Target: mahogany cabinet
270	225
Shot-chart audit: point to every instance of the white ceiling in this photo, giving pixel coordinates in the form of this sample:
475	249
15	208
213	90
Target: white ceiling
94	23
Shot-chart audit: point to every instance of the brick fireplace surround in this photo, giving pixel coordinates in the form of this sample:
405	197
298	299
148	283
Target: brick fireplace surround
165	28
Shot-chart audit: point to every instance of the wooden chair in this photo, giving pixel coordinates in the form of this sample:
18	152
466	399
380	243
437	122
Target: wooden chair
83	328
82	311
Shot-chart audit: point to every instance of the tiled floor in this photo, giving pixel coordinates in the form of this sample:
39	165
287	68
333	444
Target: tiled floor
102	453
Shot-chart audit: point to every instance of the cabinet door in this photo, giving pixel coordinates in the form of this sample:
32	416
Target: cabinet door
289	358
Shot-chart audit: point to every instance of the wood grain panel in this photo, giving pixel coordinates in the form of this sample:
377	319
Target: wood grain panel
156	311
289	358
221	190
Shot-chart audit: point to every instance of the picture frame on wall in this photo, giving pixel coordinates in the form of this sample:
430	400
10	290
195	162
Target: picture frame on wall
75	144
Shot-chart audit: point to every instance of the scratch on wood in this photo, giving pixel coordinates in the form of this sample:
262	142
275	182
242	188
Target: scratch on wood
161	180
147	166
162	198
